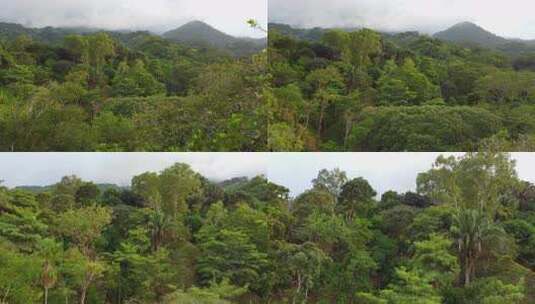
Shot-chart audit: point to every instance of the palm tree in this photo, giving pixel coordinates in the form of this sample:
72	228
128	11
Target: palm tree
159	224
49	251
473	230
48	278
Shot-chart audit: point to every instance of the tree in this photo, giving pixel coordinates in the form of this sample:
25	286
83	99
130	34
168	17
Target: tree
147	185
83	227
357	48
20	221
356	199
49	251
331	181
87	193
473	231
83	271
135	81
407	128
315	200
392	90
176	184
284	138
78	47
305	263
418	83
433	258
504	87
160	225
216	293
229	254
19	275
481	181
494	291
68	185
246	239
101	47
327	84
408	287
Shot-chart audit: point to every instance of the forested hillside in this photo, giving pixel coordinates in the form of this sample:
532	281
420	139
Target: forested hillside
466	236
361	90
200	34
127	91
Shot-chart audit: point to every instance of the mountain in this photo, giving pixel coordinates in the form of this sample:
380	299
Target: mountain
47	34
313	34
471	34
465	34
200	34
196	34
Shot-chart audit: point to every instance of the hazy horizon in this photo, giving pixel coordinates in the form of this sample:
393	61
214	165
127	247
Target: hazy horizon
295	171
384	171
43	169
512	19
157	16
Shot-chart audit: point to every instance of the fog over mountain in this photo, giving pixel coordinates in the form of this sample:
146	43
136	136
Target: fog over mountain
155	15
510	19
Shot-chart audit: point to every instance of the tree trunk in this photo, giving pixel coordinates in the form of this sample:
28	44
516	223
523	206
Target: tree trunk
83	295
349	126
298	291
322	114
471	270
46	296
466	277
468	269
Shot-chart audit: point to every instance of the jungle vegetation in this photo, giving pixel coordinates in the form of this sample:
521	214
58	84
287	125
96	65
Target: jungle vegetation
362	90
466	235
128	91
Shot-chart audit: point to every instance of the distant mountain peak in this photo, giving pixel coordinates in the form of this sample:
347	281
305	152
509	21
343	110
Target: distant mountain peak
198	25
199	33
470	33
196	22
196	29
466	24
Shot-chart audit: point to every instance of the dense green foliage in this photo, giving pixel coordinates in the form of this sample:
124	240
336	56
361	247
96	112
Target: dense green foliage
360	90
128	92
466	237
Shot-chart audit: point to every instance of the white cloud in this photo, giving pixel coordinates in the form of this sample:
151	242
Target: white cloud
229	16
512	18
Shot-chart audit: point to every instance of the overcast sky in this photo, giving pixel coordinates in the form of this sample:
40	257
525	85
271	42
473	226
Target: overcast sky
18	169
512	18
384	171
229	16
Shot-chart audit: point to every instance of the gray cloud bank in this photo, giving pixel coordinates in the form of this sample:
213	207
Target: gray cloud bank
513	18
158	15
